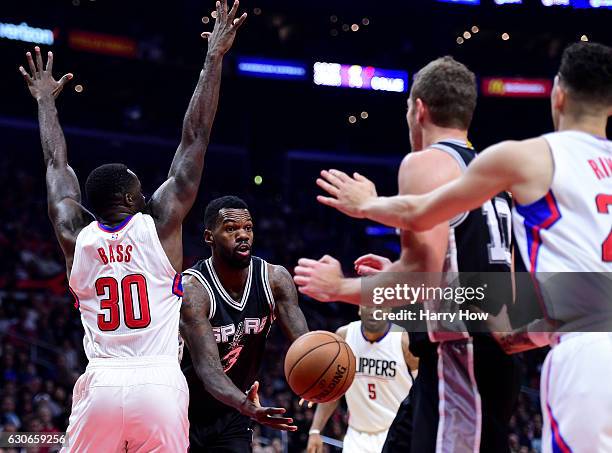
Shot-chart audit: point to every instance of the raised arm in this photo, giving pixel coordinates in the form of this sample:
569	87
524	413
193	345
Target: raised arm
197	332
288	312
63	192
524	168
172	201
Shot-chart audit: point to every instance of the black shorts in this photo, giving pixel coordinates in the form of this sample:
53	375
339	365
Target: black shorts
497	379
230	433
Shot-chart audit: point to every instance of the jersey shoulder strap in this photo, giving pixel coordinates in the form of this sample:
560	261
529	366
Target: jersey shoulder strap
200	272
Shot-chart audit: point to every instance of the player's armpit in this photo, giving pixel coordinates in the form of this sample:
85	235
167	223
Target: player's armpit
288	312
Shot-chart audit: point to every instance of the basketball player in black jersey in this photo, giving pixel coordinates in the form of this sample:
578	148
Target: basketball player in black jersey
237	297
475	414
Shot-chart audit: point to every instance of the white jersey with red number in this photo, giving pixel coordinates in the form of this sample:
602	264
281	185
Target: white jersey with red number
128	293
382	380
570	228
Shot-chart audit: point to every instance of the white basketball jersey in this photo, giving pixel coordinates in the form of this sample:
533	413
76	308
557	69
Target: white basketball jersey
382	380
127	291
570	228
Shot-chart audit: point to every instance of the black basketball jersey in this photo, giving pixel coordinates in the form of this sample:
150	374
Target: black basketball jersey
479	242
240	329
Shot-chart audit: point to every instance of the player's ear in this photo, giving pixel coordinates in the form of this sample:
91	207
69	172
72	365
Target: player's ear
128	199
208	237
420	110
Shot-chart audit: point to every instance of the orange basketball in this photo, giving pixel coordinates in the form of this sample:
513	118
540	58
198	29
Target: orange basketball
320	366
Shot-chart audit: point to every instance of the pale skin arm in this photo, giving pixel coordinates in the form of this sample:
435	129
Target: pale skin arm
322	414
523	168
421	252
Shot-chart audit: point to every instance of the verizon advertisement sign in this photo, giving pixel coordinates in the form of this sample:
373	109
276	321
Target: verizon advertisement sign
516	87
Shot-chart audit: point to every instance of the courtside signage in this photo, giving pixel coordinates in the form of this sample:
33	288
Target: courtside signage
516	87
102	43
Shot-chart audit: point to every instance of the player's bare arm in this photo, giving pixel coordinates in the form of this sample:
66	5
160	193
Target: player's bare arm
172	201
421	252
288	312
197	332
523	168
411	361
322	414
63	191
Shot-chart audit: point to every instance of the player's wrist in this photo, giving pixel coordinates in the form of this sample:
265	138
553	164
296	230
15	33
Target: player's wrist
349	290
314	432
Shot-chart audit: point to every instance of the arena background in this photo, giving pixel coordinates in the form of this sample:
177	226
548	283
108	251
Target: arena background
135	65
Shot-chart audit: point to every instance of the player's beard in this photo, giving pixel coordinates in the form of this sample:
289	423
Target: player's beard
236	261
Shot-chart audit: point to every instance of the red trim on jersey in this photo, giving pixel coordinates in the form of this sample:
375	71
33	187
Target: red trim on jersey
121	226
77	303
558	442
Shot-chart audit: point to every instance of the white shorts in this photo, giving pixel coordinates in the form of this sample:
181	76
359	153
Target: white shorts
360	442
576	394
130	405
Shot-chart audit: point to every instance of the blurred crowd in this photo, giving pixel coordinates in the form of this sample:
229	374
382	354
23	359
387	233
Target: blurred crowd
41	353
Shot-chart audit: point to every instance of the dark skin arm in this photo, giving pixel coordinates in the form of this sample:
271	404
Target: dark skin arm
196	330
66	212
174	198
288	312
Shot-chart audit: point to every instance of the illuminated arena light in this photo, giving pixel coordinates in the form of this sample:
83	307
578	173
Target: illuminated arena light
23	32
271	69
364	77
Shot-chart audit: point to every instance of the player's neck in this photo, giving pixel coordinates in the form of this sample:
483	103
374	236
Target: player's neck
115	218
594	125
374	336
434	134
232	278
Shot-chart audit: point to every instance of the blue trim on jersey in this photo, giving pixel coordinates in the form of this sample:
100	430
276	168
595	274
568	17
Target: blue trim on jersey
116	228
541	214
177	285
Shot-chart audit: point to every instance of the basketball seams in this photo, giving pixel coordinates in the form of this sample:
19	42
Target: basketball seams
316	381
308	352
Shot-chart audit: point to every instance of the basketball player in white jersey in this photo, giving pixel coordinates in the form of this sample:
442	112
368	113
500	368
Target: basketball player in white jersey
385	372
562	187
123	261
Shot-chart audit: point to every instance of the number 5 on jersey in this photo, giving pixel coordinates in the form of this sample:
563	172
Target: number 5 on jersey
131	285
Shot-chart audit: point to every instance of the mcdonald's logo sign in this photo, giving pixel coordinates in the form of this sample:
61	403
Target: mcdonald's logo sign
516	87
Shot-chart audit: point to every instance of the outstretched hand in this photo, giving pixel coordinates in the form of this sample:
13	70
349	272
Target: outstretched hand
348	195
320	279
40	79
222	37
268	416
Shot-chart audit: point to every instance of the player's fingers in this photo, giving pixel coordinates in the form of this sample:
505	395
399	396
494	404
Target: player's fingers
49	67
361	178
331	178
269	411
303	271
232	11
31	64
283	427
367	258
327	201
39	60
223	10
300	280
340	175
310	404
327	187
25	75
64	80
238	22
206	34
328	259
217	13
366	270
307	262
